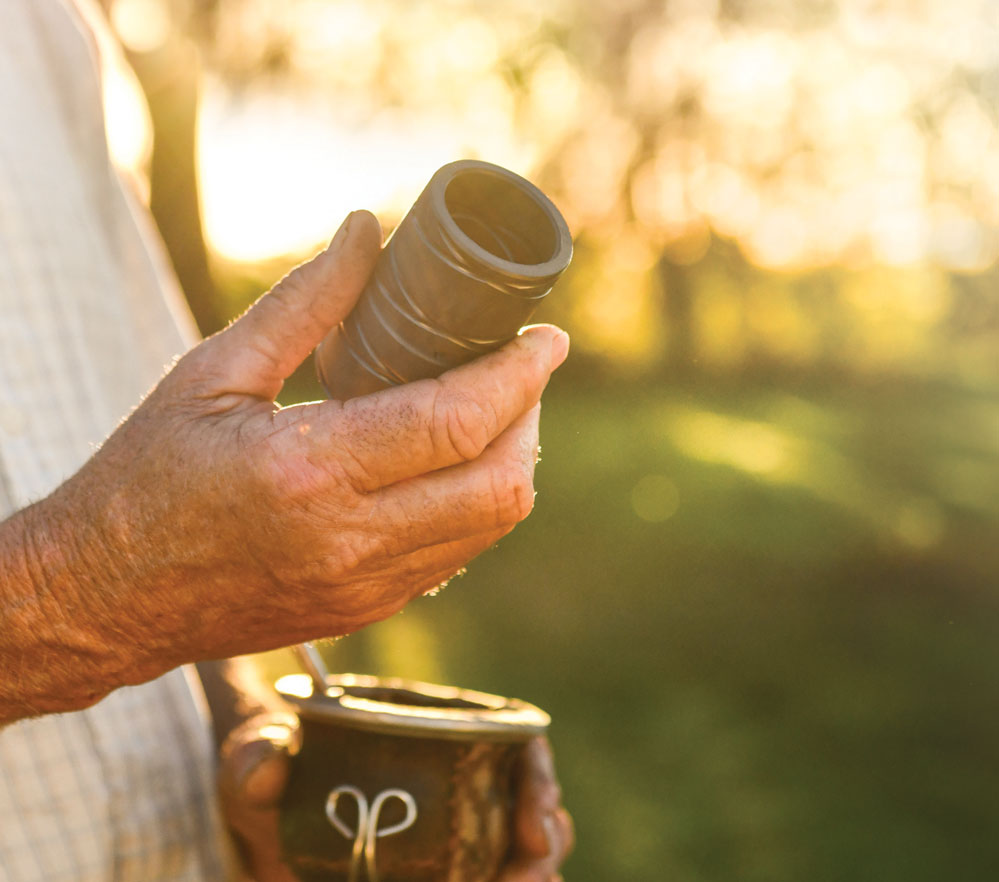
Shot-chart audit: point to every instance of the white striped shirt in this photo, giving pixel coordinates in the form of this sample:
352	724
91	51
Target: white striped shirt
89	317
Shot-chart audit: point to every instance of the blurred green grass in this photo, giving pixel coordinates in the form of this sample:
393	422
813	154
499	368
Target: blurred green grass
764	619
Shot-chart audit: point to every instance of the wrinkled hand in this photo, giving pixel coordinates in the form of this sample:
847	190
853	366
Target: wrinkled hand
219	523
254	772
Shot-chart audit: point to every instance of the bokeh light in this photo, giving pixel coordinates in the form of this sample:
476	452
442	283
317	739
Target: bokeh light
758	587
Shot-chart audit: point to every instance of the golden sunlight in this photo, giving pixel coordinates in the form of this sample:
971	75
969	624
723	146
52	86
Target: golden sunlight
279	171
142	25
128	127
727	145
129	131
757	448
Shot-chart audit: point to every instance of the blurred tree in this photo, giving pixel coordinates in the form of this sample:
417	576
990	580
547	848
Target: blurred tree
170	80
678	297
168	67
813	134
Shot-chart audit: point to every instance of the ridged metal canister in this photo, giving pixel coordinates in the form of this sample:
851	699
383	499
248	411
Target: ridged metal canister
461	274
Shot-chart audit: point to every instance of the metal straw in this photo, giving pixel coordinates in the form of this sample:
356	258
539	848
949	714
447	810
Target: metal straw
312	661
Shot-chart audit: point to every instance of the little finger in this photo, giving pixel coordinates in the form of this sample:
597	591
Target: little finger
493	493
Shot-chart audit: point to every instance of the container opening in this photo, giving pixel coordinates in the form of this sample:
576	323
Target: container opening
501	216
409	698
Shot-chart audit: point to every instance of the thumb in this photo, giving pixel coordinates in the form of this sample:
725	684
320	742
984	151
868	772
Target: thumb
256	761
258	351
254	769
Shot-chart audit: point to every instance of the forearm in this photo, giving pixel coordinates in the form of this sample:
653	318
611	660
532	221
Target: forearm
59	650
63	641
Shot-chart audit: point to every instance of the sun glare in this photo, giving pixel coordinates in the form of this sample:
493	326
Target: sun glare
128	127
788	144
279	171
753	447
142	25
804	143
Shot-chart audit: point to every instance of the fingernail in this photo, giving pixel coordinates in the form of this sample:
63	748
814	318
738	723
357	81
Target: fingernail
245	760
560	348
548	822
341	234
266	780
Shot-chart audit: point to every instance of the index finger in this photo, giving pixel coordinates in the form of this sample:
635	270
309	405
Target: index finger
410	430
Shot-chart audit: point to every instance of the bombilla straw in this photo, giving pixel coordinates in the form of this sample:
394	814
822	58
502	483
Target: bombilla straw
311	660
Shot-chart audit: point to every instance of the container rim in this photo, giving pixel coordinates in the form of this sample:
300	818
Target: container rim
527	271
479	716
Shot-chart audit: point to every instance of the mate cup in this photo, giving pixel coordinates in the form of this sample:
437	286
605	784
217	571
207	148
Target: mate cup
401	781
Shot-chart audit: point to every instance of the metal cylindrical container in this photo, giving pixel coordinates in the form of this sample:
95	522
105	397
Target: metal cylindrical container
463	271
401	781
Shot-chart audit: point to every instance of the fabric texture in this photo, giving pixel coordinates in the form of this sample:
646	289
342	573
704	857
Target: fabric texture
89	318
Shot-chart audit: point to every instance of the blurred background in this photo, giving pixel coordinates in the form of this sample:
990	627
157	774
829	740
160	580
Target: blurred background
758	593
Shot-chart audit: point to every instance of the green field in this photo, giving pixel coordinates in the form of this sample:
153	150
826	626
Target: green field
765	621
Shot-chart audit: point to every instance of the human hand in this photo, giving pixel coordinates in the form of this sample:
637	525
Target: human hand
214	523
255	768
543	831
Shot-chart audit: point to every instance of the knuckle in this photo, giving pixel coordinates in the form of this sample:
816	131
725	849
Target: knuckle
460	425
272	486
285	480
344	562
356	473
350	552
513	493
288	289
294	292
